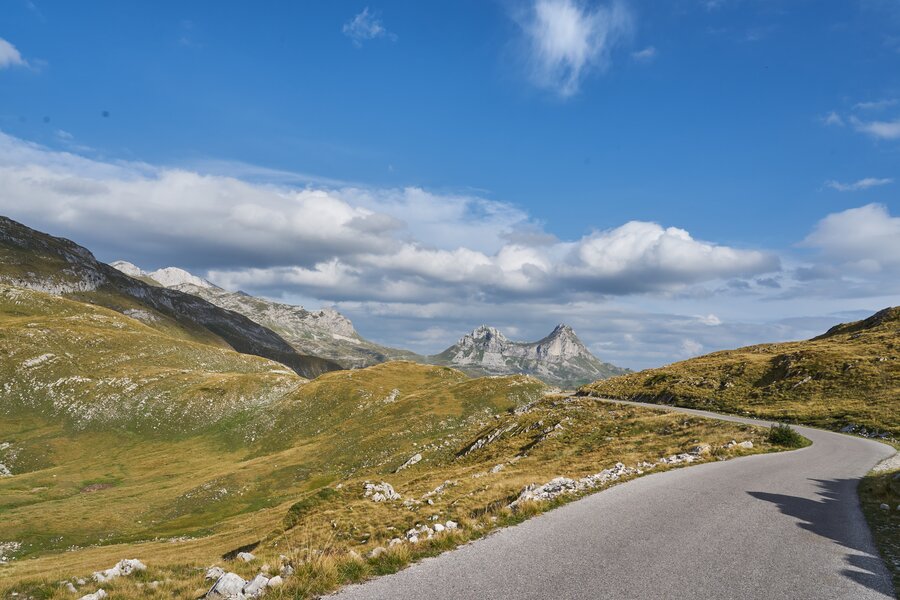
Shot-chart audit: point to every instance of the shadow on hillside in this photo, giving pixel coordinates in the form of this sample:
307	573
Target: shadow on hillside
826	517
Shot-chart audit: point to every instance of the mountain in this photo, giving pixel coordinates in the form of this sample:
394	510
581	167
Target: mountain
38	261
559	359
325	332
845	379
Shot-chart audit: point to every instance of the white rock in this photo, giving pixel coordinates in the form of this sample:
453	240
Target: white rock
265	568
245	557
101	593
71	587
747	444
394	542
412	460
884	507
438	528
124	567
213	573
377	551
229	586
275	582
287	570
256	587
381	492
451	525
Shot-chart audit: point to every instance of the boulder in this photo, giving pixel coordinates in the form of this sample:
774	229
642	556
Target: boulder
438	528
256	587
381	492
884	507
412	460
245	557
213	573
287	570
275	582
228	587
701	449
101	593
451	525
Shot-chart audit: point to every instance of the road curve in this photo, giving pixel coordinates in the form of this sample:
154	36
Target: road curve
784	525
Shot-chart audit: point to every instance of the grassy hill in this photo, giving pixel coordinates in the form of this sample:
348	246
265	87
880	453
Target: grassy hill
38	261
123	440
847	378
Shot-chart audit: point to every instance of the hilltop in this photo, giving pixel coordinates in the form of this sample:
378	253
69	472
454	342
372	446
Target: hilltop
41	262
324	332
559	359
845	379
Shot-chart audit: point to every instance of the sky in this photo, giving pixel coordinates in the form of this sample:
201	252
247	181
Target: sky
669	178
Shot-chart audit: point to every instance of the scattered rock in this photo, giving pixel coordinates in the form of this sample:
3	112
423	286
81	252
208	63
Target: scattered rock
394	542
287	570
214	573
228	587
412	460
101	593
884	507
701	449
245	557
746	444
124	567
438	528
71	588
276	582
451	525
376	552
497	468
381	492
256	587
265	568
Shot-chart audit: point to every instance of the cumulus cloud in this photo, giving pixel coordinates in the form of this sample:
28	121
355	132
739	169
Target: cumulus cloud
365	26
859	241
860	184
347	243
10	56
567	39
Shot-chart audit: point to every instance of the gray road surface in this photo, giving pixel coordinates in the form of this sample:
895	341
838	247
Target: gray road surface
769	526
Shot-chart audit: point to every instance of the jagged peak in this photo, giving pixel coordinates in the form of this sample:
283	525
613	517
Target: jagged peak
484	332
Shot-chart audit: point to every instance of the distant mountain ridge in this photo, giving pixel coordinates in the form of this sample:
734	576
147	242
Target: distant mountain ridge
325	332
41	262
559	358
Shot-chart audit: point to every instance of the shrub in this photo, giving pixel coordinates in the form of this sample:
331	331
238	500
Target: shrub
784	435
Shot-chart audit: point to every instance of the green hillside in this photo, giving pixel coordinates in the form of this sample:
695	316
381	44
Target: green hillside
846	379
123	441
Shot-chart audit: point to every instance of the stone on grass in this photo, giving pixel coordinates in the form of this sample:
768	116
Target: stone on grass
287	570
377	551
214	573
125	566
70	587
884	507
381	492
275	582
101	593
256	587
451	525
245	557
438	528
229	585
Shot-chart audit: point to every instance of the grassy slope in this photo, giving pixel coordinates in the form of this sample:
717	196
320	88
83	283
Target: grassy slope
849	376
879	488
127	442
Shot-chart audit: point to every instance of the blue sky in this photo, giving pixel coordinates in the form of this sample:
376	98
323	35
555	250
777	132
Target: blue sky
535	125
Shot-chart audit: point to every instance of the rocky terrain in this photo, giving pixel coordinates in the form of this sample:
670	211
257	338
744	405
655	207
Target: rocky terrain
847	379
560	359
37	261
324	332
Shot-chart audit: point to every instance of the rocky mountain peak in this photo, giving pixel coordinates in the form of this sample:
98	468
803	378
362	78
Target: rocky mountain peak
130	269
173	276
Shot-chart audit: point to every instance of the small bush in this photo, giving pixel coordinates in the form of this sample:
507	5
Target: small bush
784	435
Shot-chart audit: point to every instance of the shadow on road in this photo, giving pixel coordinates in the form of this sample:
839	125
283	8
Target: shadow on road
823	517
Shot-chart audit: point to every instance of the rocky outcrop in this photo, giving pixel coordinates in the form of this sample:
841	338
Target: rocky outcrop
559	359
324	332
126	566
380	492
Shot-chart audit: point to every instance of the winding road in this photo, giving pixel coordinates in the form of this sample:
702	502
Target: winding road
770	526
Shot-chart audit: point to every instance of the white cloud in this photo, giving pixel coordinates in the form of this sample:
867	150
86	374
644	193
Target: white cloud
568	39
884	130
858	242
860	184
645	55
9	56
366	26
347	243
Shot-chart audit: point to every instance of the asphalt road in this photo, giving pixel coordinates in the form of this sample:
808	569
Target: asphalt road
784	525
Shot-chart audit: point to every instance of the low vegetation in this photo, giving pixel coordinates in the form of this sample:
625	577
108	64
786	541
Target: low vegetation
786	436
123	442
847	379
879	494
